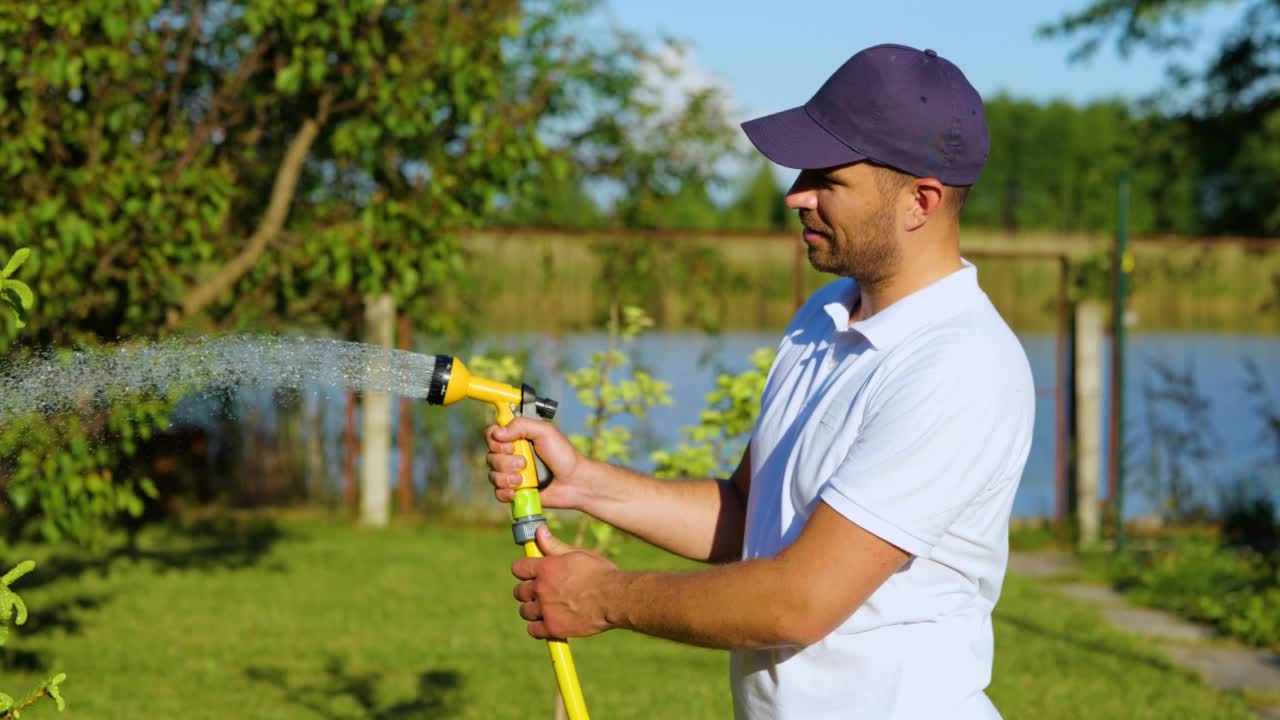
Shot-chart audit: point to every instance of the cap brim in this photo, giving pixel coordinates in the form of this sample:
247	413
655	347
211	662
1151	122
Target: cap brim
793	139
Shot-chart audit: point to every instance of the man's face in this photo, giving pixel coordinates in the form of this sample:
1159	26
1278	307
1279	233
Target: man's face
849	219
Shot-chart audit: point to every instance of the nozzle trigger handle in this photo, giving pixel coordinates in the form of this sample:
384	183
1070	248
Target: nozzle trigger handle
545	476
535	473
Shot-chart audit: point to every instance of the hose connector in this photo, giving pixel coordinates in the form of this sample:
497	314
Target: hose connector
545	408
525	529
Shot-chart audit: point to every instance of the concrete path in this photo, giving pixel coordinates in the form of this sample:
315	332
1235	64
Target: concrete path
1226	667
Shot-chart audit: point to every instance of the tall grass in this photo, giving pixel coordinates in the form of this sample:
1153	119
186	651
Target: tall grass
559	283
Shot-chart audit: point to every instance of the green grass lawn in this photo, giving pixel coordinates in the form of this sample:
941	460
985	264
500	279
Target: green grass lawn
313	619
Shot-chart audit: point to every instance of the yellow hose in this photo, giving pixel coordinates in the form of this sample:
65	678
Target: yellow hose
562	663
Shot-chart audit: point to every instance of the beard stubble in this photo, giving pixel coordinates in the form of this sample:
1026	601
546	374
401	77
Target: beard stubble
866	252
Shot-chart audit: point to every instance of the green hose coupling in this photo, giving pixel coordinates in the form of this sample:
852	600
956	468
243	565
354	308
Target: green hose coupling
526	502
526	514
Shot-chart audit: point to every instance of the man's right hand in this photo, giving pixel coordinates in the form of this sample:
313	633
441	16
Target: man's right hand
559	455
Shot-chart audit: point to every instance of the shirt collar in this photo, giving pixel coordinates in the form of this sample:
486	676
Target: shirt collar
922	307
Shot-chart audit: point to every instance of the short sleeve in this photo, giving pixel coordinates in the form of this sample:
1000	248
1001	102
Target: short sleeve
935	436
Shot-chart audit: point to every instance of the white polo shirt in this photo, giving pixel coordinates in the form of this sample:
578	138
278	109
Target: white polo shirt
915	424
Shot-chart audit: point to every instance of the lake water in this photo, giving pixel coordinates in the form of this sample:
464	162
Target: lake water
1230	427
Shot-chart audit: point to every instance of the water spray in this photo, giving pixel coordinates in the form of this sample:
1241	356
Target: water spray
52	383
451	382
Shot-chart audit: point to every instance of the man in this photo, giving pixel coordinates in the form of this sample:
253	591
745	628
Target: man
863	535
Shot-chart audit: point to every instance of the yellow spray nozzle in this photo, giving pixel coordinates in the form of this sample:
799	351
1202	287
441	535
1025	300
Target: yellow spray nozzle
451	382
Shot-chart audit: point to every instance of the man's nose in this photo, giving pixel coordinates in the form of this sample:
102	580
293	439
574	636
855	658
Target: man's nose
801	199
801	195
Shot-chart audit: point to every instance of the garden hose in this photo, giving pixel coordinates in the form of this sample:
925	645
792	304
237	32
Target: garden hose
451	382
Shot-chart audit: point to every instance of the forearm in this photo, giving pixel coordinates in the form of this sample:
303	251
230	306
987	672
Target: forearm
699	519
739	606
792	599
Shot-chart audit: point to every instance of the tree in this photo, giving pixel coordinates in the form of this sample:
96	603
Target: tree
650	138
1053	166
560	201
1230	109
186	166
689	207
758	204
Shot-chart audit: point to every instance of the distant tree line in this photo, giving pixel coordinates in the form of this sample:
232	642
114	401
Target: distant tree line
1217	126
1054	166
1202	154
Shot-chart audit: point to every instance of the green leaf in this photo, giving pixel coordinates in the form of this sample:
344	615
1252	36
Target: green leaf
13	302
289	80
26	299
15	262
18	571
316	72
9	600
55	692
115	25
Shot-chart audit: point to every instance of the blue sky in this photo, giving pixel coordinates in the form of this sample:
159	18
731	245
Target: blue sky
773	55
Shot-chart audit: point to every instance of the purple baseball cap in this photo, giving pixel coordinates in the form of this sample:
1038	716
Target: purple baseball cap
891	104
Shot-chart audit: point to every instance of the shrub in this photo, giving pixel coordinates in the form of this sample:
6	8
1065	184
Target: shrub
55	477
1237	590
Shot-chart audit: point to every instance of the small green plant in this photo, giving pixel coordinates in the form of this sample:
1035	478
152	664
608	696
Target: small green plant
607	399
715	443
12	607
17	299
712	446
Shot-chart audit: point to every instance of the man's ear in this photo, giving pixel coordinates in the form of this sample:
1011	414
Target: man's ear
926	199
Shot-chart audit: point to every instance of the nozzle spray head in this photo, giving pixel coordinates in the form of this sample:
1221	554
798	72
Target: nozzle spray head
451	381
440	375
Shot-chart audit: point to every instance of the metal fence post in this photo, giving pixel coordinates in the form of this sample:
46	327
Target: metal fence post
1121	263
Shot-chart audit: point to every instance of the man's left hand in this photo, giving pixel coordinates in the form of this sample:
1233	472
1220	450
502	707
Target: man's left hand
564	594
